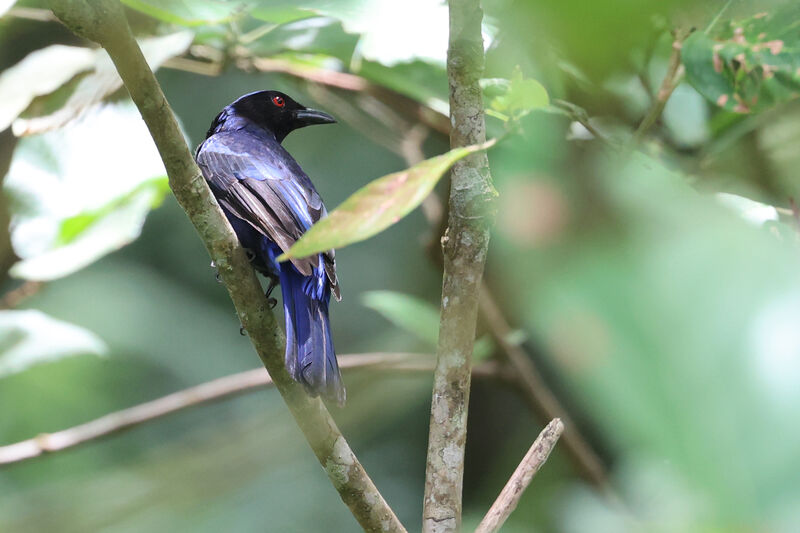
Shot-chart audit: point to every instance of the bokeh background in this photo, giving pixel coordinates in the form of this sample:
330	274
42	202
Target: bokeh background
658	290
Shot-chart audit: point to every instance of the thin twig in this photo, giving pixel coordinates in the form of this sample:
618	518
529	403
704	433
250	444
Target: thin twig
717	17
579	115
465	245
104	21
212	391
538	395
671	80
509	497
16	296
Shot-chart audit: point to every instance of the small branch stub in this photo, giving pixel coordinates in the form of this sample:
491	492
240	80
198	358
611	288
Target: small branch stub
509	497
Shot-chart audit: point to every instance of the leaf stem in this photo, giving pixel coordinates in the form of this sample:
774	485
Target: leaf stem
671	80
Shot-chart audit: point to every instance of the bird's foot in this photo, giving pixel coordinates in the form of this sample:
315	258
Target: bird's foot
273	282
216	272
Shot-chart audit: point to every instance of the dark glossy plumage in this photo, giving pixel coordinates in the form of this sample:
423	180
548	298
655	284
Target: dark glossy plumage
270	203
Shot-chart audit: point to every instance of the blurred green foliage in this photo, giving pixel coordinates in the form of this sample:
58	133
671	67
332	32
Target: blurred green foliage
660	302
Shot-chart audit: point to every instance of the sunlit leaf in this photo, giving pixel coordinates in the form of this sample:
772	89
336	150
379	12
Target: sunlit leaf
747	65
281	13
189	12
418	317
79	193
31	337
5	5
41	72
378	205
103	81
522	96
750	210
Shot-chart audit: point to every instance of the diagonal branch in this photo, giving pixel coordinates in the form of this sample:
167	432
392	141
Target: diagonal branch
465	245
104	21
509	497
206	393
671	80
211	391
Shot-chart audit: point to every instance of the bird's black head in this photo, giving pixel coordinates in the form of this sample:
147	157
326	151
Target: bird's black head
278	113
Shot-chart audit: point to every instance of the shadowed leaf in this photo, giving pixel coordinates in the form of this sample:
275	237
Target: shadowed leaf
418	317
378	205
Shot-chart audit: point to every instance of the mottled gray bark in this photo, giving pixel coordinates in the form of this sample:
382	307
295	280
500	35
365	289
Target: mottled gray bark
465	244
103	21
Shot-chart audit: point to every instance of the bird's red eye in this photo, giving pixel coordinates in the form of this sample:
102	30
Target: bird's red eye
278	101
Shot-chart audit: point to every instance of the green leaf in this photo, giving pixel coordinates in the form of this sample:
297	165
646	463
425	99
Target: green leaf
73	227
749	65
424	82
378	205
30	337
419	318
412	314
91	89
521	97
188	12
281	14
41	72
76	194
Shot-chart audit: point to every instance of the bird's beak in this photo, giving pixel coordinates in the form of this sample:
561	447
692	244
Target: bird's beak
308	117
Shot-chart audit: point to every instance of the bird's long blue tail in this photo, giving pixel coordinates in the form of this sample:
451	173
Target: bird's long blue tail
310	357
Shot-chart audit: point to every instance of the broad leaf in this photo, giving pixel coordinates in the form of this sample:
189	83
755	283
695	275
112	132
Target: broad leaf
78	193
418	317
5	5
41	72
103	81
520	97
378	205
189	12
412	314
750	64
30	337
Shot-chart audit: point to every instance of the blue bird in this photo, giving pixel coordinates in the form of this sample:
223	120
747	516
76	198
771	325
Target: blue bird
270	202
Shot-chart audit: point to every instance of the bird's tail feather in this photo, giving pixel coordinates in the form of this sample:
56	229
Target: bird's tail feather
310	357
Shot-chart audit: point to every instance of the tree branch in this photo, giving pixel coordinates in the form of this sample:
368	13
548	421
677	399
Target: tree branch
465	245
509	497
671	80
104	21
522	370
538	395
209	392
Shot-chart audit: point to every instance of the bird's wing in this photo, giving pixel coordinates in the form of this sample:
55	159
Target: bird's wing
260	183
